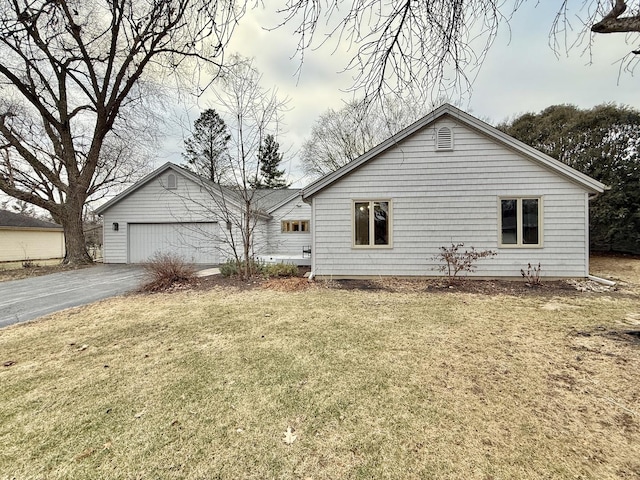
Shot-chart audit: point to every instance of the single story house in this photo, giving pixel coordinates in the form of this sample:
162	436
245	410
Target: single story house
448	178
27	238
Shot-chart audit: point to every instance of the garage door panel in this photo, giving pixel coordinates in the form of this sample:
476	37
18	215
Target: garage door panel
195	242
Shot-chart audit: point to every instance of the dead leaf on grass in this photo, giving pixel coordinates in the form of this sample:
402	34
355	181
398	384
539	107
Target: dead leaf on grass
289	437
83	347
107	445
85	454
8	363
632	319
139	414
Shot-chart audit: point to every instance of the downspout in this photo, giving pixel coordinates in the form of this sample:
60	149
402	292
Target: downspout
312	273
586	235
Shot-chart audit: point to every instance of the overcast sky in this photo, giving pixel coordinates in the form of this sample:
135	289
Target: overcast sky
521	74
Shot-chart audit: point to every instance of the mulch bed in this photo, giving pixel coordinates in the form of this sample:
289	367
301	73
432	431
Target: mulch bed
484	287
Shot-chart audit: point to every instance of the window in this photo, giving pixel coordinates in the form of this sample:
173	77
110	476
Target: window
444	139
295	226
372	223
172	181
521	222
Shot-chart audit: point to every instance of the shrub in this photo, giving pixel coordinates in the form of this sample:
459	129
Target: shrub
456	261
232	268
532	275
280	270
229	268
28	263
167	271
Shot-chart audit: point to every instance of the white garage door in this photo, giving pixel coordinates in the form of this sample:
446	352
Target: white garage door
195	242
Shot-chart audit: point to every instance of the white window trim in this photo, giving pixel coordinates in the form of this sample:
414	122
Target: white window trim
519	243
295	232
371	225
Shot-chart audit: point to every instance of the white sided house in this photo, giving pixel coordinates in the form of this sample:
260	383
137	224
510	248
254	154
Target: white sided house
175	211
450	178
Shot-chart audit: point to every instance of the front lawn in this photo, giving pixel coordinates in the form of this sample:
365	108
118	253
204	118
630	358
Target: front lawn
373	384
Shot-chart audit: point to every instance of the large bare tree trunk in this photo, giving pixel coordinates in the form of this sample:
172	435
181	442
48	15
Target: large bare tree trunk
74	242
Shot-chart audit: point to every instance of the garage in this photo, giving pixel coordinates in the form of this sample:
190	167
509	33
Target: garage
196	242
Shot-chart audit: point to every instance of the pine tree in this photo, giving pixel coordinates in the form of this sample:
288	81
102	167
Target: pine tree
206	150
270	158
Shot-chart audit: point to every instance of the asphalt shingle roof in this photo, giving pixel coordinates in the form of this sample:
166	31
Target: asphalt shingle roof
11	219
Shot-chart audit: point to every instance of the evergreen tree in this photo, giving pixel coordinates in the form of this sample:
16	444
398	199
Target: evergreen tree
604	143
270	158
206	151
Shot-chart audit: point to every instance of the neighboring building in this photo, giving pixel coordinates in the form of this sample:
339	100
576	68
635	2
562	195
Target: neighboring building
27	238
173	210
448	178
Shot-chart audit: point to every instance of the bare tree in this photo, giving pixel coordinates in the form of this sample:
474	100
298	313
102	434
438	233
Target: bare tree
18	206
340	136
435	47
73	74
251	112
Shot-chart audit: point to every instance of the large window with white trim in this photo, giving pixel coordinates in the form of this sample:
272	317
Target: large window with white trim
372	223
520	221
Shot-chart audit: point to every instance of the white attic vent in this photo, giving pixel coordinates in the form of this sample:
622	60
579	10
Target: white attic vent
172	181
444	139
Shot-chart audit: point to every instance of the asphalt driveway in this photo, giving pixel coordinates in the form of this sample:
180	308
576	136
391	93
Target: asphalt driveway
29	298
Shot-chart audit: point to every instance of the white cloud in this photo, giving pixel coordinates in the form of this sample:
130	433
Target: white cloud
521	73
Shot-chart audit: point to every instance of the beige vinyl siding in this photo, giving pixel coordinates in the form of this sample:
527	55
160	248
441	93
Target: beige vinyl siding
17	244
293	242
444	197
155	204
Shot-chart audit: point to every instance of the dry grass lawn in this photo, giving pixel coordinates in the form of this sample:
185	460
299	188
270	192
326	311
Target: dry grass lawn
374	384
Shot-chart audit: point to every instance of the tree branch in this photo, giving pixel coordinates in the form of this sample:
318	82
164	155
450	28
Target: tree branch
612	23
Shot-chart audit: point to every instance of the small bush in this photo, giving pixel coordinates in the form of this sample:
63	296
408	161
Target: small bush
280	270
456	261
29	264
233	268
166	272
532	275
229	268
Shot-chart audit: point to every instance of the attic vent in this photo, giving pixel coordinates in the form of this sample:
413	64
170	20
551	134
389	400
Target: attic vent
444	139
172	181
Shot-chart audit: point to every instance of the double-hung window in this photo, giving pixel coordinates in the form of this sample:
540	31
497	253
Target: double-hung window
521	222
372	223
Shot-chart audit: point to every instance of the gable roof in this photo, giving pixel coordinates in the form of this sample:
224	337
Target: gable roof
159	171
11	219
586	182
266	199
271	200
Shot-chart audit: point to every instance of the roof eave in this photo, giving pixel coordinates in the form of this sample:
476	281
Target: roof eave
586	182
284	202
210	187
